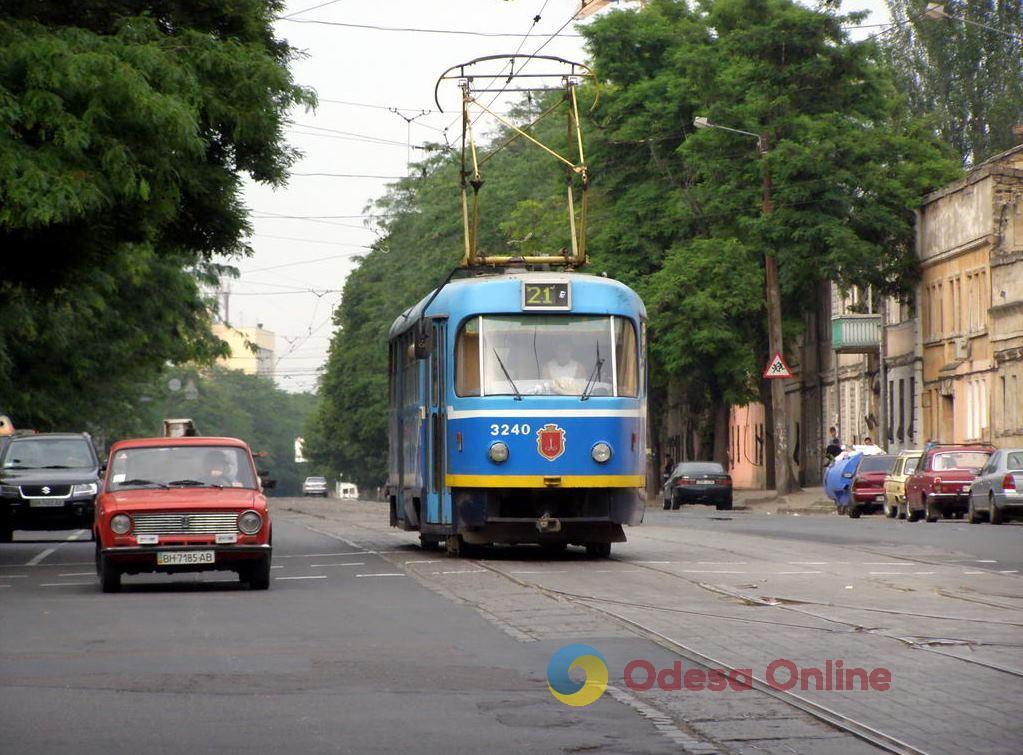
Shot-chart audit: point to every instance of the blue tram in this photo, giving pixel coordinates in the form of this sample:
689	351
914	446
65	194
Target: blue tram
518	412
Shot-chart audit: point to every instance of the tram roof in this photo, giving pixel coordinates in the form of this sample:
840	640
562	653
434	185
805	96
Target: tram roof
500	294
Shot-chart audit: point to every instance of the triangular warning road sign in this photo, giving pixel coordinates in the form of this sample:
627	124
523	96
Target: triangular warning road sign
777	368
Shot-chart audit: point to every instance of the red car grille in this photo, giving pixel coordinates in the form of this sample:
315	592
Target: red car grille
197	523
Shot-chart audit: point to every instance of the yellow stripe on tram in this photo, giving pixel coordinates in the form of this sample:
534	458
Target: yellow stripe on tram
544	481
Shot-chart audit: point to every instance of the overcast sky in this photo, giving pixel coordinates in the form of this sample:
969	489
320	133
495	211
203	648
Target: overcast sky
292	283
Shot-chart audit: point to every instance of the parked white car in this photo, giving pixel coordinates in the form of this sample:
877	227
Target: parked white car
997	493
315	486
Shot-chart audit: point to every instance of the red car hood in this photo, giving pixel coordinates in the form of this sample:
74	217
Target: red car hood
182	499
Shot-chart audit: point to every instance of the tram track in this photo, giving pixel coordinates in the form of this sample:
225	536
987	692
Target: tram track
860	730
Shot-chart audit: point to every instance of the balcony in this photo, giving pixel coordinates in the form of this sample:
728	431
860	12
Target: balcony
856	334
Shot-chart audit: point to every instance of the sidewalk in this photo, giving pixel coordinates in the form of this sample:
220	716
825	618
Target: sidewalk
806	501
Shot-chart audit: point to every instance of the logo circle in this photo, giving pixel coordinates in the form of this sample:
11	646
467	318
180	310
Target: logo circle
567	690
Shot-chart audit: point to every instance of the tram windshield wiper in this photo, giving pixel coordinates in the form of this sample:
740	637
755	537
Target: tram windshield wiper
518	396
591	383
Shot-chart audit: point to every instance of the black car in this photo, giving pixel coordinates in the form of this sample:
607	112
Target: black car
698	482
48	481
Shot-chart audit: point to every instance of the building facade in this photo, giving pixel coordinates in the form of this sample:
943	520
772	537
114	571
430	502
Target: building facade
252	349
970	302
945	366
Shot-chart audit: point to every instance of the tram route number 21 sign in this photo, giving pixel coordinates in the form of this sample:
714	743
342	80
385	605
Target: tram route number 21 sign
549	295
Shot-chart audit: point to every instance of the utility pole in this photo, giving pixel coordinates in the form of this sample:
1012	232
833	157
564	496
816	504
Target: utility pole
783	482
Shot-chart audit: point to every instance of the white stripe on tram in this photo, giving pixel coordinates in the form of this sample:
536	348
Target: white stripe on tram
554	413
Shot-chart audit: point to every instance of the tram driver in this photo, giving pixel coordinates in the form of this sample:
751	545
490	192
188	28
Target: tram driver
565	374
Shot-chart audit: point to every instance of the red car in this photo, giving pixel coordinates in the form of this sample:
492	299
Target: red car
868	484
940	487
182	505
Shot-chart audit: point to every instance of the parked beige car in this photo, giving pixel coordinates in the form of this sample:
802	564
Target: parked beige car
895	483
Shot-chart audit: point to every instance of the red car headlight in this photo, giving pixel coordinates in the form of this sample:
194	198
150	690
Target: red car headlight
250	522
120	524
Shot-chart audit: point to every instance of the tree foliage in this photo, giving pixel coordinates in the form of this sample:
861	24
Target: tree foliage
125	128
226	403
964	70
676	214
233	404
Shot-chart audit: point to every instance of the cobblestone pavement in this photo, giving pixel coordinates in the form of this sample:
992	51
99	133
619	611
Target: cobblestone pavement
948	634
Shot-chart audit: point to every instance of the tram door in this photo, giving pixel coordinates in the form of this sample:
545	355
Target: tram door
436	426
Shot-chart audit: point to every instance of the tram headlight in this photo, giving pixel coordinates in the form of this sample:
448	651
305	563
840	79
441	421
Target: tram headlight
498	451
601	452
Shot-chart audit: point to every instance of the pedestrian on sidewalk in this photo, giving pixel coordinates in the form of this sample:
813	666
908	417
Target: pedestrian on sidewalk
834	447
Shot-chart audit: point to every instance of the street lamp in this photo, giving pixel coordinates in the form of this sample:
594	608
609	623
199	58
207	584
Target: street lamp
783	482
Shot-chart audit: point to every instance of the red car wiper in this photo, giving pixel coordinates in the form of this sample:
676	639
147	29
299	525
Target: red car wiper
195	484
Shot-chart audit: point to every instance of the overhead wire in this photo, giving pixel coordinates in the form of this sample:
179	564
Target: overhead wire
308	241
415	30
340	255
291	16
346	175
370	137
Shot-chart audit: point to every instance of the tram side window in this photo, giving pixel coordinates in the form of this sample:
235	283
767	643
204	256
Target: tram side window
410	377
467	359
627	354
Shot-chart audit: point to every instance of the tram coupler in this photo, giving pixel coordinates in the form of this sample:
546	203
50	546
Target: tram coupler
547	523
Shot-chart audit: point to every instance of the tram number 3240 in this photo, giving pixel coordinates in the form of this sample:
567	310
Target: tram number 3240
515	429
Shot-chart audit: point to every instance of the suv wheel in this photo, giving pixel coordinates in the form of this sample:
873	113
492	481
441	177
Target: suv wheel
598	550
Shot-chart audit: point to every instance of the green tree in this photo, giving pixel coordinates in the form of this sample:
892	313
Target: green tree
125	128
964	70
233	404
847	171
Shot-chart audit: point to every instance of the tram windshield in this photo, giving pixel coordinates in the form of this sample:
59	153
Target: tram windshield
547	355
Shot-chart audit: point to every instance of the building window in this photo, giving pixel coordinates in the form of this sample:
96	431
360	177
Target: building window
953	291
982	395
1014	399
969	410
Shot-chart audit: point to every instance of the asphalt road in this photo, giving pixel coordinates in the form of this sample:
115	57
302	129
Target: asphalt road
342	654
999	548
366	643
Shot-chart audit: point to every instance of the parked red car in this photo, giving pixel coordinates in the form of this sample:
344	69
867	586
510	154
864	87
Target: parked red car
940	487
182	505
868	484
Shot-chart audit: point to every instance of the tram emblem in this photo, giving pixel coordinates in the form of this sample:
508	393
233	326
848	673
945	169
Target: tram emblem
550	442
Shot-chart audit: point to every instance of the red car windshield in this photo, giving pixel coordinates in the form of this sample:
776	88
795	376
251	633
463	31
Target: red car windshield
181	467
